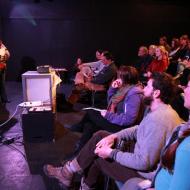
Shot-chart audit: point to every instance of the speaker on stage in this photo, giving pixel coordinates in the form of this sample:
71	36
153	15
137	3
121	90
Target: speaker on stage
38	126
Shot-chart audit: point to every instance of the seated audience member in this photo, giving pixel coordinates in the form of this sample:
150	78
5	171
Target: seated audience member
87	70
185	63
183	48
143	61
100	156
160	63
100	81
152	51
174	47
163	42
151	56
174	168
179	55
183	79
125	107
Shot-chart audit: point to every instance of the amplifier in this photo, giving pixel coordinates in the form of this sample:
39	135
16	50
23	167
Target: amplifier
38	126
44	69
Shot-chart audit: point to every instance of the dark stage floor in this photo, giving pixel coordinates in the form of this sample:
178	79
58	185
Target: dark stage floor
21	162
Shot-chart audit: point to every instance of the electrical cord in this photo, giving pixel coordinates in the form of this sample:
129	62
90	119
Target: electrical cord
14	148
8	141
21	105
10	117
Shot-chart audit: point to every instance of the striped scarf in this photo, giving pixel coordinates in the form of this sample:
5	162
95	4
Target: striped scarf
117	98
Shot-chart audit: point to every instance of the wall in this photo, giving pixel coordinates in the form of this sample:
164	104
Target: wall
58	32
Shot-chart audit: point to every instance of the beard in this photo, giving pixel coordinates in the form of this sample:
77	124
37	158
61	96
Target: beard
148	100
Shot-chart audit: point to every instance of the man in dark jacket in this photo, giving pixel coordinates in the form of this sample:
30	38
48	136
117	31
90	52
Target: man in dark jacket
99	82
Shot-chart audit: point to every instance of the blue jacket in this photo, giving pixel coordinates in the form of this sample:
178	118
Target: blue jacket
128	111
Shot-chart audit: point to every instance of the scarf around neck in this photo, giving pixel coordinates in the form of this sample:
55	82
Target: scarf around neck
118	97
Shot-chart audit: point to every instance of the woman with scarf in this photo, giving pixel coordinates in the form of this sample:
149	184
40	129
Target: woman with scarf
125	107
174	168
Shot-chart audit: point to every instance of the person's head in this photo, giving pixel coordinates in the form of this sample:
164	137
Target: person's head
160	86
175	43
1	43
142	51
128	75
163	40
107	57
160	52
99	54
187	96
183	40
152	50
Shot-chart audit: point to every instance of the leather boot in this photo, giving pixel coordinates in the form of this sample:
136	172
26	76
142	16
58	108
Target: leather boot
63	174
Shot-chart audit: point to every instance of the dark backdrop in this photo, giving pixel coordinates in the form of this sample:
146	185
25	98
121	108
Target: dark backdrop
57	32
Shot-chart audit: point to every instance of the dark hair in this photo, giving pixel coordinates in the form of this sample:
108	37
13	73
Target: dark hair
184	37
100	50
165	83
176	42
128	74
108	55
164	38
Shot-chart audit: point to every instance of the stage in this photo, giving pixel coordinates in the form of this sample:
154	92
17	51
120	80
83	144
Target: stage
21	162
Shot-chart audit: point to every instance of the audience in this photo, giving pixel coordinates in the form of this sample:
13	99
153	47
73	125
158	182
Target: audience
125	107
160	63
174	169
183	64
185	75
152	51
100	81
88	70
100	155
163	42
178	56
175	46
143	61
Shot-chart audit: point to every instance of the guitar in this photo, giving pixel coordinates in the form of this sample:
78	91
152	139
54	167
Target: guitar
2	66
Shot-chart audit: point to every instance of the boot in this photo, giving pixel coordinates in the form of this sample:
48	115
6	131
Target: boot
63	174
